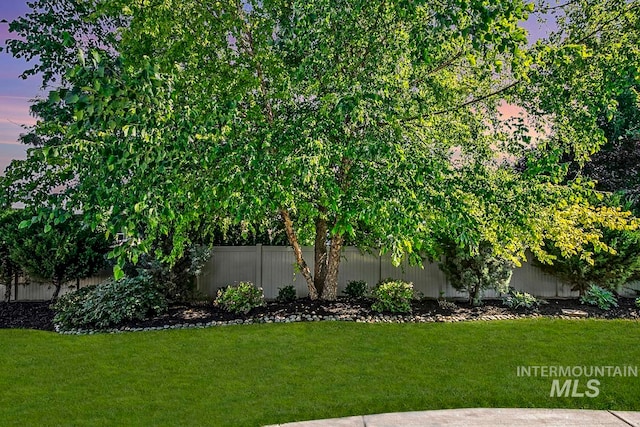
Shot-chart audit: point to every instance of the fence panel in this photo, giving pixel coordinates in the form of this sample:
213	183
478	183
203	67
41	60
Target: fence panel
30	289
228	265
279	269
357	265
531	279
274	266
428	280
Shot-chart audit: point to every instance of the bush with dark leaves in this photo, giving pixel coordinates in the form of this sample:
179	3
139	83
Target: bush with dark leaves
109	304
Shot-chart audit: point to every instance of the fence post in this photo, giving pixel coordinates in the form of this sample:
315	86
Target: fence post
259	265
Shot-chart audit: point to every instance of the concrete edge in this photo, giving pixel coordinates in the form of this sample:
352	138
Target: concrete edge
529	417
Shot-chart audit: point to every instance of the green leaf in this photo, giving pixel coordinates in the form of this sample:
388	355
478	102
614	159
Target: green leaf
72	98
54	96
118	273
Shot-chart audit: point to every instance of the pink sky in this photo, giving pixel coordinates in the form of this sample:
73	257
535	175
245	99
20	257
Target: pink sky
15	93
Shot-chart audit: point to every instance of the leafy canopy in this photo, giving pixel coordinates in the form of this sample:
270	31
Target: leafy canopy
378	118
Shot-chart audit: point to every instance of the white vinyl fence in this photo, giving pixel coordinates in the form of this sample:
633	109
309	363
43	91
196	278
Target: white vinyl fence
32	290
272	267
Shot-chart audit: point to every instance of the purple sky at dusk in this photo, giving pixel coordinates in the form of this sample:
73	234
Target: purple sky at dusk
15	92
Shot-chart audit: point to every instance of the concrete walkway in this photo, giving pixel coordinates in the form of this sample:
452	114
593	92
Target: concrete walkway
484	418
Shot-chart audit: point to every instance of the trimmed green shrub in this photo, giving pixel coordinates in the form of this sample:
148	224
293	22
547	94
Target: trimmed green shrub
600	297
240	298
517	299
394	296
474	273
109	304
287	294
356	289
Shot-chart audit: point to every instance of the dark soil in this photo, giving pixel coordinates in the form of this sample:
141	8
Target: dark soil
26	315
38	315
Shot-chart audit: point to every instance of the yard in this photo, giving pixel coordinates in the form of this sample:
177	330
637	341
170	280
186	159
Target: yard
261	374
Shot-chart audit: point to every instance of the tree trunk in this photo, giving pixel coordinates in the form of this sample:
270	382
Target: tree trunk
297	250
473	297
321	260
7	278
57	285
330	291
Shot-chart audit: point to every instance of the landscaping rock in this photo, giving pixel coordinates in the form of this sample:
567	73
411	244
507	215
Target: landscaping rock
38	315
574	313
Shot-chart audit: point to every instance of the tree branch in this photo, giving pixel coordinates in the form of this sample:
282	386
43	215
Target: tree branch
465	104
604	24
445	64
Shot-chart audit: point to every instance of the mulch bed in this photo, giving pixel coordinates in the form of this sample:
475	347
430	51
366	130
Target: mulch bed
38	315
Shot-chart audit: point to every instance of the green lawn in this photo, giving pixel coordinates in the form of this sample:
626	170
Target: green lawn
261	374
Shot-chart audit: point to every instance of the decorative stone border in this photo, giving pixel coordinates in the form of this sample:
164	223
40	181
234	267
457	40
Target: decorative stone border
378	318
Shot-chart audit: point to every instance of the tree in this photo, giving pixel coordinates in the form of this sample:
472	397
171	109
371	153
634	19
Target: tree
68	250
584	86
588	75
599	69
9	270
475	273
53	32
373	122
615	166
51	36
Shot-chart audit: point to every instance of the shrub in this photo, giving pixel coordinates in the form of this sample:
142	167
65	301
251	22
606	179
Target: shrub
393	296
356	289
517	299
109	304
240	298
287	294
474	273
177	280
600	297
638	302
383	281
607	270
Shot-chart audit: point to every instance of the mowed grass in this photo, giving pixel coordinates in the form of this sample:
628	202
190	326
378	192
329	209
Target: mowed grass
263	374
